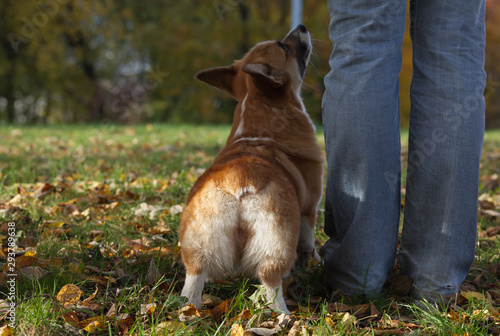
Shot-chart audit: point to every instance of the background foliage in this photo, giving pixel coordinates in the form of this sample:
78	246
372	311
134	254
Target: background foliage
130	61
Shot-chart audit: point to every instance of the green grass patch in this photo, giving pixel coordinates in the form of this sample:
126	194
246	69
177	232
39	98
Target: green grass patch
98	207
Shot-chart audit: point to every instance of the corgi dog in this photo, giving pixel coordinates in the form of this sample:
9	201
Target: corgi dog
255	208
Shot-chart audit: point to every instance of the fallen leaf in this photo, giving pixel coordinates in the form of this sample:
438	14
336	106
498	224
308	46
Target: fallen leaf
211	300
161	251
17	201
43	190
72	318
296	330
338	307
33	272
245	314
92	324
402	285
176	209
69	295
237	330
5	330
148	308
87	300
102	280
361	311
222	309
189	313
169	327
262	331
190	310
472	296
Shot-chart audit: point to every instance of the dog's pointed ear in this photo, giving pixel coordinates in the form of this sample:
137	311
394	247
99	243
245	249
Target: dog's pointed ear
264	76
220	77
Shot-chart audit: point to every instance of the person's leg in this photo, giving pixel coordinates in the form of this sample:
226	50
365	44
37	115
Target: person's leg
361	123
445	141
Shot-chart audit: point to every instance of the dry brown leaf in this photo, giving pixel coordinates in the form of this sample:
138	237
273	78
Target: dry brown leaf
222	309
296	330
71	317
338	307
161	228
87	300
361	311
42	190
262	331
190	310
245	314
374	313
285	321
189	313
210	300
111	311
102	280
148	309
69	295
161	251
33	272
402	285
152	276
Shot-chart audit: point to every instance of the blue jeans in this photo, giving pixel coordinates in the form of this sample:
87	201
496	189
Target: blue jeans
361	122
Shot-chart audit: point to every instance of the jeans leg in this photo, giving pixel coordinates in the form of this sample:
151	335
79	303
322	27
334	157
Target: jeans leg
361	122
445	141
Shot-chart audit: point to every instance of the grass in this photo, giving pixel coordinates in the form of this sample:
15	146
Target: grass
96	206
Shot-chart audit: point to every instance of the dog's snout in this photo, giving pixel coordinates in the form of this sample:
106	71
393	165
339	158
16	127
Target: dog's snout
301	28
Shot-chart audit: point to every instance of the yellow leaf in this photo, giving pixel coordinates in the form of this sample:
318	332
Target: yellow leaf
69	294
237	330
5	330
55	225
17	201
112	206
30	254
92	324
170	327
330	322
472	295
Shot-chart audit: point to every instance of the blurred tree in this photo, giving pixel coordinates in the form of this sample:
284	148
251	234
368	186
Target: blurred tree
129	61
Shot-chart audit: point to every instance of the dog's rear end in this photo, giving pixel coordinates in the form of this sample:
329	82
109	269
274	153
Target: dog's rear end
244	216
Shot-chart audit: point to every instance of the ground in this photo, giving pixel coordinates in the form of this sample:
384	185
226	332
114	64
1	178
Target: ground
89	238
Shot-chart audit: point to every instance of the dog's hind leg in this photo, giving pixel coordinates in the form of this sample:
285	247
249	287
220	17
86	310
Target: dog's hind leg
271	280
306	247
193	287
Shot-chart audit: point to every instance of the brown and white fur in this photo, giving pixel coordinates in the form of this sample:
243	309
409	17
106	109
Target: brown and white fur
255	207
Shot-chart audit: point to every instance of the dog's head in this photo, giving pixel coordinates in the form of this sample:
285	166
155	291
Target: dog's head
271	66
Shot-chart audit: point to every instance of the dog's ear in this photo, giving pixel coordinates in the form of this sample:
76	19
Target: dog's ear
220	77
264	76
